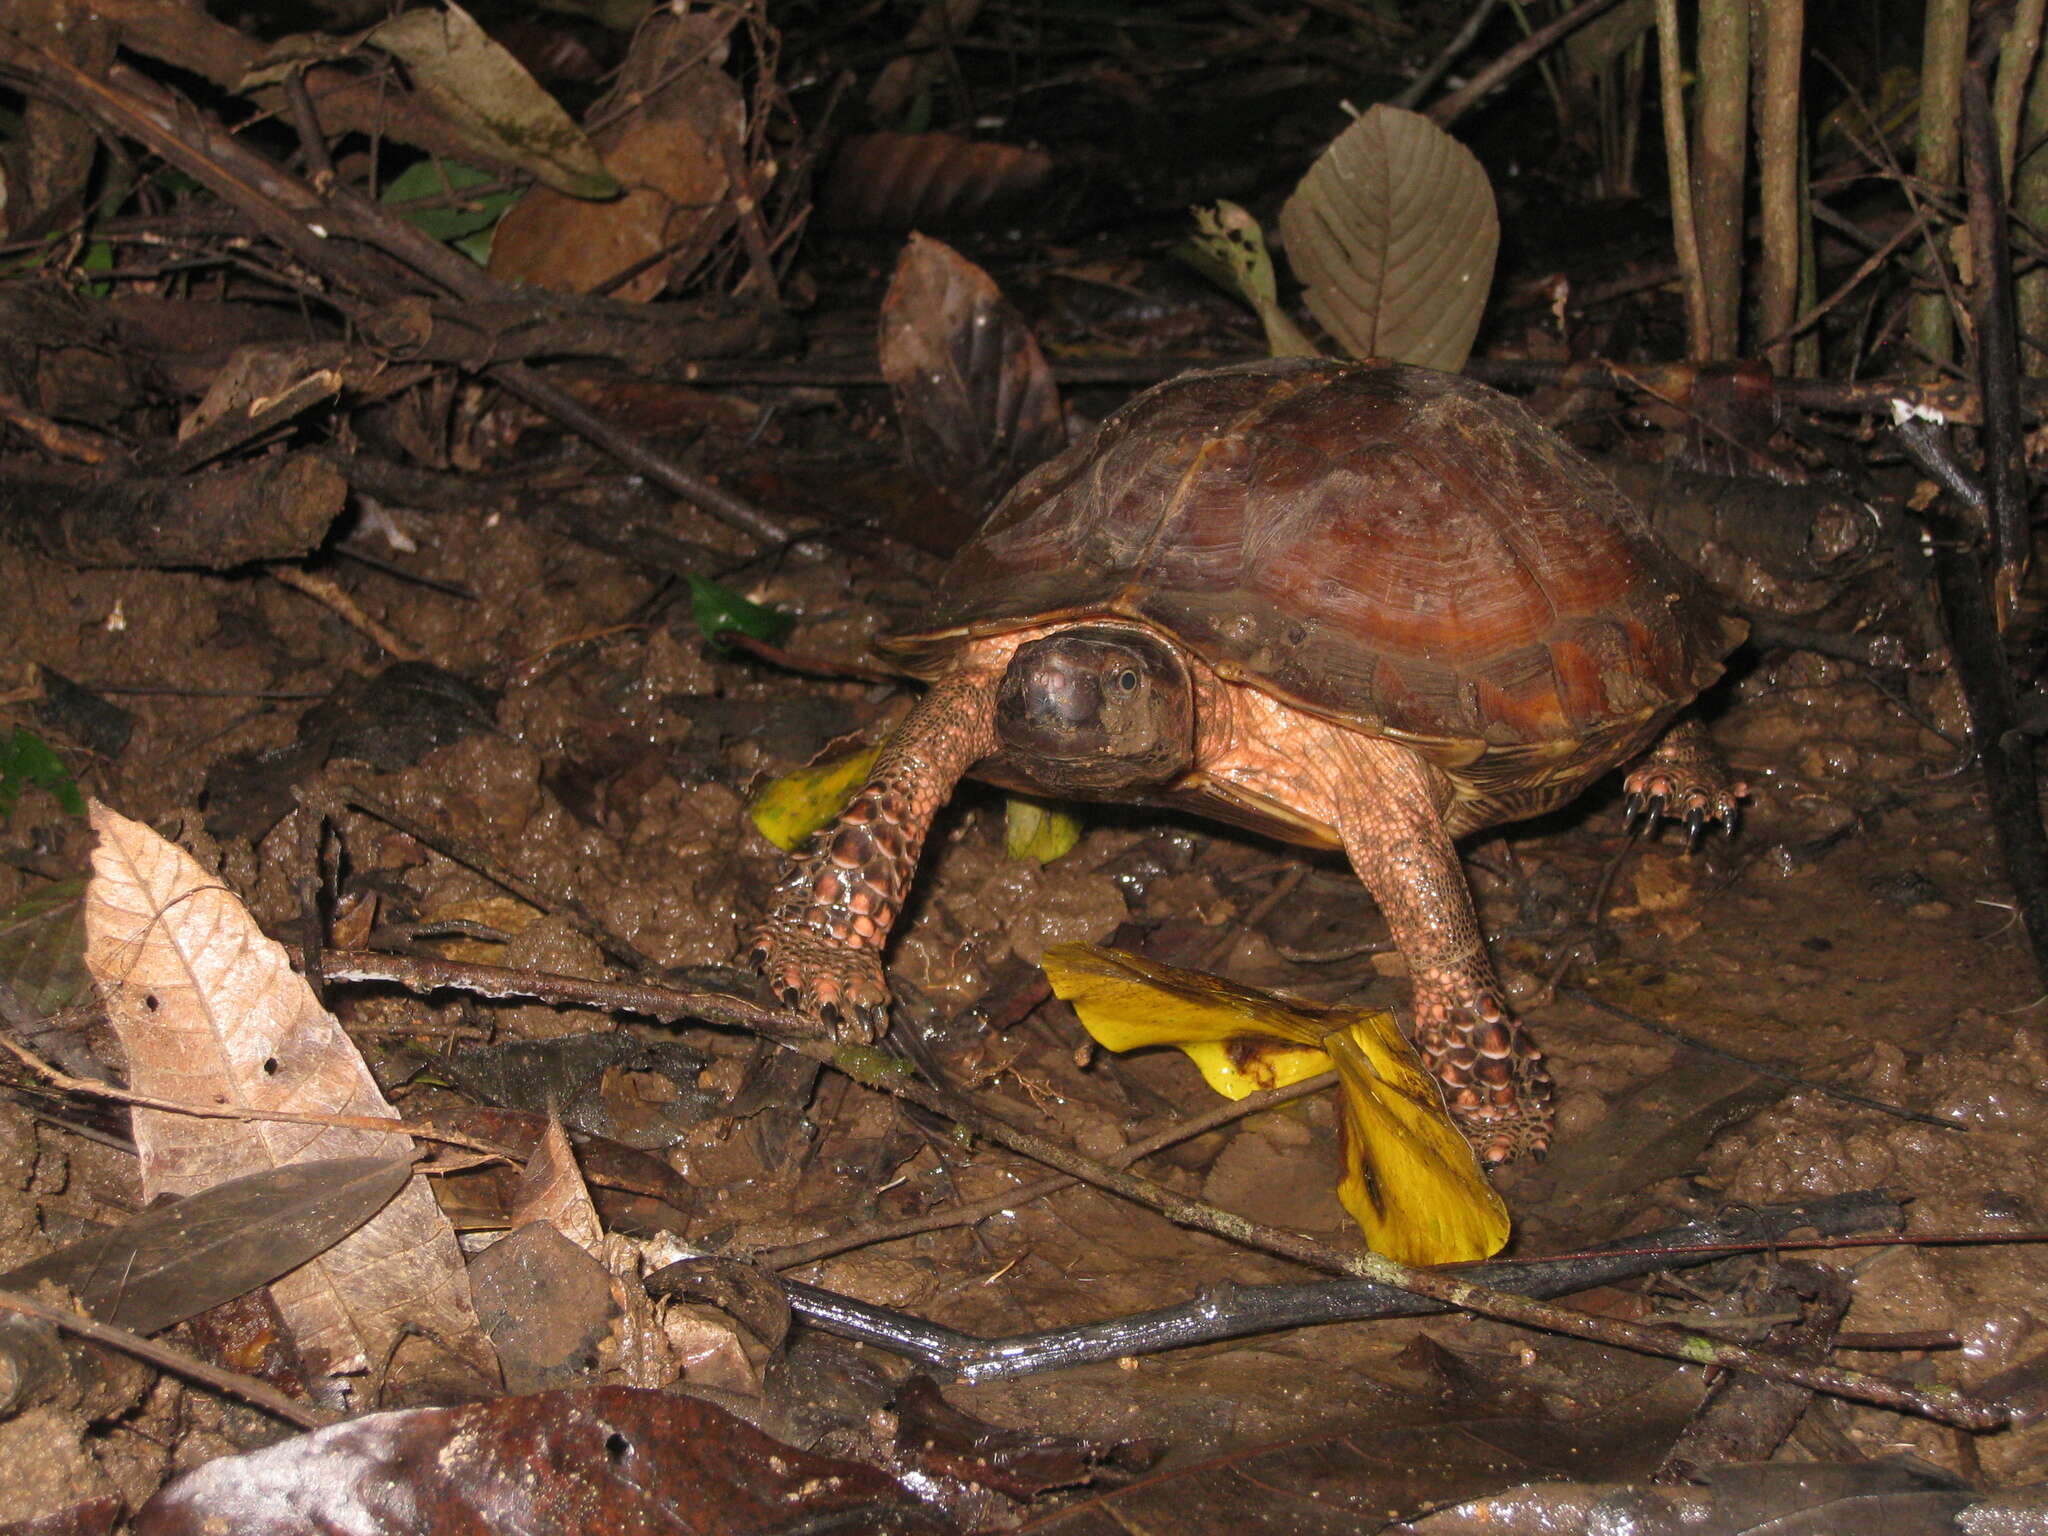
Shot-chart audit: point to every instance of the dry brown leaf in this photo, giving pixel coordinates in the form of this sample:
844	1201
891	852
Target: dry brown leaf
670	152
210	1012
1393	234
553	1191
974	394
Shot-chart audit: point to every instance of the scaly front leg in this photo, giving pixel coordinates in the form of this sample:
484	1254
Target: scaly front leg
821	946
1390	812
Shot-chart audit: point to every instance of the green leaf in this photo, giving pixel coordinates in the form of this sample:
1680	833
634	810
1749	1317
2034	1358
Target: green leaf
1229	249
27	760
718	607
1032	829
450	222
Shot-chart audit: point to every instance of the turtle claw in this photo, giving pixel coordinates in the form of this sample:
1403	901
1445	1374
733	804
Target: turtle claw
839	985
1695	823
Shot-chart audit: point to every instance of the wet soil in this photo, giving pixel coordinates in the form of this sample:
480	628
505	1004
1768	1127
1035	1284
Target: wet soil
1854	934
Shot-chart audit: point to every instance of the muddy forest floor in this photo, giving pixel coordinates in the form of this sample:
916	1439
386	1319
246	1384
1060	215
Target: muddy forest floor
1853	935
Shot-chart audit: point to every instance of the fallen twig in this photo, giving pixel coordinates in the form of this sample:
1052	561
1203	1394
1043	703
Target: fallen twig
887	1074
256	1393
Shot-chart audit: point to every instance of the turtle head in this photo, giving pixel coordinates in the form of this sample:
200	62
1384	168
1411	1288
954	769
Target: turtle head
1097	707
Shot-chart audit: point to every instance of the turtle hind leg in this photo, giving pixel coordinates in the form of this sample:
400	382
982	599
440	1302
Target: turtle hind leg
1682	777
821	943
1493	1077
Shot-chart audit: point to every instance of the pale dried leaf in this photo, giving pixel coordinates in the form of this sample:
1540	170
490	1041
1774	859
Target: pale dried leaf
1393	233
552	1190
490	99
210	1012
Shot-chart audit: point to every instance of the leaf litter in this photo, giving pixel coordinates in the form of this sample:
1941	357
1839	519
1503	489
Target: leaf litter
1798	952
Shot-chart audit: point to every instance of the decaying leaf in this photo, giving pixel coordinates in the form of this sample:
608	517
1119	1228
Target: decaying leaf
42	954
925	180
211	1013
552	1190
674	126
974	396
1230	250
175	1261
1393	233
1034	829
1410	1180
594	1460
791	808
491	100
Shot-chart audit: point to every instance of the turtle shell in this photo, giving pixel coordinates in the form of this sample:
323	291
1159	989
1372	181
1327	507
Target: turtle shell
1405	552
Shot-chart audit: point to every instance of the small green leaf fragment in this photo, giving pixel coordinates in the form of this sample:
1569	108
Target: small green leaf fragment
26	760
1229	249
450	221
717	607
1033	829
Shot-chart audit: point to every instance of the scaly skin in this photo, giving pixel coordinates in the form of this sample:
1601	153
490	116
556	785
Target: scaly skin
1388	803
821	945
1683	777
822	942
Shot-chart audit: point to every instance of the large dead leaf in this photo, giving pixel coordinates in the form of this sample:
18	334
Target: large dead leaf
174	1261
1393	232
603	1459
210	1012
975	398
675	122
491	100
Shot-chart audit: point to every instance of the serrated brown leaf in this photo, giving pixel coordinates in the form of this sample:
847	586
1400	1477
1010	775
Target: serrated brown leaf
975	398
599	1459
1393	233
210	1012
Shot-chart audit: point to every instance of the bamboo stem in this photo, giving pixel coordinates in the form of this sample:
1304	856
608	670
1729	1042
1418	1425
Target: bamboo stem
1930	325
1779	142
1720	157
1670	68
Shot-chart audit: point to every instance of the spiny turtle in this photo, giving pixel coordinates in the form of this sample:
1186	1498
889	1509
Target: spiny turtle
1363	606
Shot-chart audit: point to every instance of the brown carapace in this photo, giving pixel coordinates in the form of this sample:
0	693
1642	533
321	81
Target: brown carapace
1350	605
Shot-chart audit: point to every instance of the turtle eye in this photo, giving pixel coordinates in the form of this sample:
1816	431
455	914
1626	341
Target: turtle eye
1127	680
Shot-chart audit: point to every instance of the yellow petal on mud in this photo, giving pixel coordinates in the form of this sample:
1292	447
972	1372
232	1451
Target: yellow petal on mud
1036	829
791	808
1410	1180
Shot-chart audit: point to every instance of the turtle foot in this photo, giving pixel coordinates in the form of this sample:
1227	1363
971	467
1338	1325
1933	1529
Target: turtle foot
1684	780
1494	1079
839	985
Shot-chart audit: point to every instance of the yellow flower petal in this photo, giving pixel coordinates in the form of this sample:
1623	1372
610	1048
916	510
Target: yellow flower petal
1410	1179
